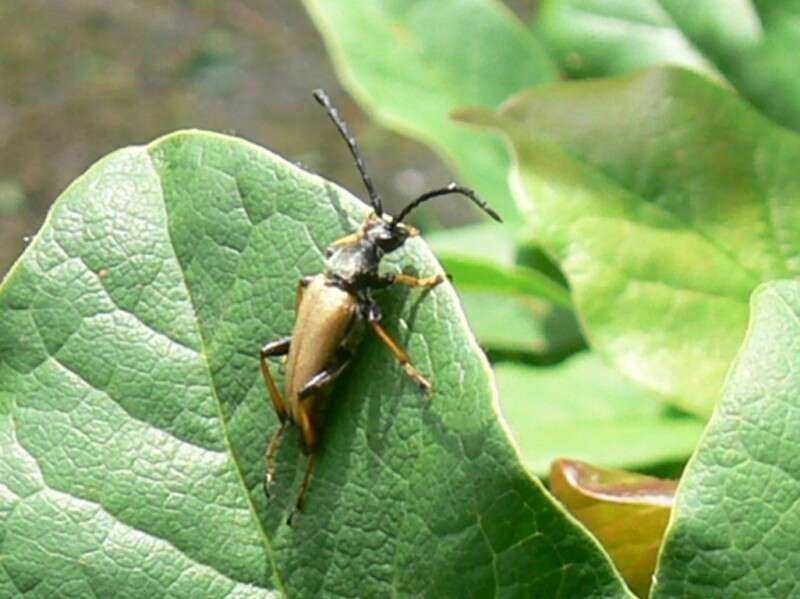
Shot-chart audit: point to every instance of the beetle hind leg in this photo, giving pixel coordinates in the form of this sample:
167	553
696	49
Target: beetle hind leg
311	465
269	457
310	442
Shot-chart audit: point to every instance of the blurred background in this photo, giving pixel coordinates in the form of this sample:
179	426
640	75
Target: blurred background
79	79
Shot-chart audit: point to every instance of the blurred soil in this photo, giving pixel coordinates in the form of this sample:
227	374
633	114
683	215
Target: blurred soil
80	78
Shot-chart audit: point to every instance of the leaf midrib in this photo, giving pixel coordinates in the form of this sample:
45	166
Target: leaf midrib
203	353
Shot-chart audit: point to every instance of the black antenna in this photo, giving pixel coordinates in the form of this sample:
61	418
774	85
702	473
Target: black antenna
321	97
452	188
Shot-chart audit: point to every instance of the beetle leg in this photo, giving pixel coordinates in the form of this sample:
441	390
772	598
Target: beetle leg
279	347
413	281
298	506
310	436
400	354
269	456
328	375
351	239
384	281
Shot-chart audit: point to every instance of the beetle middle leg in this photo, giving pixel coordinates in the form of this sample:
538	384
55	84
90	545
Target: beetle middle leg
279	347
325	377
400	354
269	456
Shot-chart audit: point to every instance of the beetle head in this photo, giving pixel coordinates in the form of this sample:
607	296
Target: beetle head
388	234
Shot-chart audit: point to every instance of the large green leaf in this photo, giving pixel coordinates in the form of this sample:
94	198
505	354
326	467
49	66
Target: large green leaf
734	526
522	325
488	242
666	201
482	260
752	44
133	419
410	62
581	409
476	274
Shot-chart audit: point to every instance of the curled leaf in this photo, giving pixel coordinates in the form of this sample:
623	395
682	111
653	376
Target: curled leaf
626	511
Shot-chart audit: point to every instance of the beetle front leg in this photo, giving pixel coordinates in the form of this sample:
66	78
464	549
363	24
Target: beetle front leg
352	239
413	281
384	281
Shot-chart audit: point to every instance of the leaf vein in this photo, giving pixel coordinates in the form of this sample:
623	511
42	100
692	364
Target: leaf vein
212	386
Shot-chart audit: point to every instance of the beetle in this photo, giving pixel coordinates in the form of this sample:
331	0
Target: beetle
331	311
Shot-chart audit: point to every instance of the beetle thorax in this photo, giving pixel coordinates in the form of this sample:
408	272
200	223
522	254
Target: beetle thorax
350	263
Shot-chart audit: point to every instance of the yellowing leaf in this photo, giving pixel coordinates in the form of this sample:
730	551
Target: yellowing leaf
627	512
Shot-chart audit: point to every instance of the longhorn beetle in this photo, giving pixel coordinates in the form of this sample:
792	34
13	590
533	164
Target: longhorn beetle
331	309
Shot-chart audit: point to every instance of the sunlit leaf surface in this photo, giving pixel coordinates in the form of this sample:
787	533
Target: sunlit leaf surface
666	201
133	418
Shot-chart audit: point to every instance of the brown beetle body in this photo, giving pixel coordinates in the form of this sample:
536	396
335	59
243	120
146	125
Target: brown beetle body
325	316
331	310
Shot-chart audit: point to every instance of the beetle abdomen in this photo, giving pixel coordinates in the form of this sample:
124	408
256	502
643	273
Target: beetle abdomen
325	315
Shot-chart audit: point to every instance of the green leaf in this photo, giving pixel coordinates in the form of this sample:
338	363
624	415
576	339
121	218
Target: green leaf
751	45
581	409
734	526
489	242
133	418
411	62
480	258
666	203
481	275
521	324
